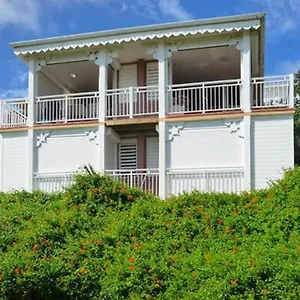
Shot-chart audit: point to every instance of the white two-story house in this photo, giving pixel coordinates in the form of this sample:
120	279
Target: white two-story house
170	108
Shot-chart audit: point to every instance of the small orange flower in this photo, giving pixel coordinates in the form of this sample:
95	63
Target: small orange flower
135	246
82	271
36	247
130	197
1	278
207	257
17	271
123	190
234	212
131	268
131	259
220	221
233	282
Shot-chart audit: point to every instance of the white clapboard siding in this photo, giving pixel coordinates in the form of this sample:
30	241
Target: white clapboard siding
128	154
128	76
152	152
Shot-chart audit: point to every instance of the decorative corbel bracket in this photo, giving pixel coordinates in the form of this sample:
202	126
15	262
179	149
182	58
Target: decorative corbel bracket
174	130
92	136
162	51
42	61
236	127
41	138
103	57
237	42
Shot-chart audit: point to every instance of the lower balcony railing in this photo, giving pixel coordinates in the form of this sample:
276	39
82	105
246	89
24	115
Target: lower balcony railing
52	182
146	179
206	180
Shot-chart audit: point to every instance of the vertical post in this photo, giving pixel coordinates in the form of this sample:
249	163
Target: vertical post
1	113
162	55
292	93
130	90
66	108
247	105
102	59
34	68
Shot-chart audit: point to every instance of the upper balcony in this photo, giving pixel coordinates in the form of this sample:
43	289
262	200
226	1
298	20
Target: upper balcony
132	102
197	67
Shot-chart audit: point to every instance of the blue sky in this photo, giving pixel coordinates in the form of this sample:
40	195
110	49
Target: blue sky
31	19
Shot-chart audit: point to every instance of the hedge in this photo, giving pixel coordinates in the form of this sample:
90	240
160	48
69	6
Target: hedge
101	240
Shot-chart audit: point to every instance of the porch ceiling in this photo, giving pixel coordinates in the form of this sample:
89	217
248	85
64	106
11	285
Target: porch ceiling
207	64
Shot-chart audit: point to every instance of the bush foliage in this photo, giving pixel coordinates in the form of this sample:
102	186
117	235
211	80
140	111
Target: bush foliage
101	240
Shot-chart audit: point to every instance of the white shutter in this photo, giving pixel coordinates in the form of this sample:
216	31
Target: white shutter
128	154
128	76
152	152
152	73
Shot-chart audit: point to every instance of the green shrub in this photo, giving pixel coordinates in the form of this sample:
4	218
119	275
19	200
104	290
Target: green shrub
101	240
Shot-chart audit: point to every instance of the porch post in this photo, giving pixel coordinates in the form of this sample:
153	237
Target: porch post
246	96
34	68
102	59
162	54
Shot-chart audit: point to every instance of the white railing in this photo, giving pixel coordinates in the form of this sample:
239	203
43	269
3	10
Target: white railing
67	108
13	113
146	179
53	182
132	102
206	180
204	97
275	91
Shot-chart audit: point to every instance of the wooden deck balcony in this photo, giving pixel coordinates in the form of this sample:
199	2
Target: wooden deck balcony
137	102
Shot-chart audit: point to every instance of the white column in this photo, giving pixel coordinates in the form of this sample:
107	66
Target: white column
162	54
34	68
102	59
246	104
292	93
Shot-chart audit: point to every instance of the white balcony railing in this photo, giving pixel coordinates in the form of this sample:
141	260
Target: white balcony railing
52	182
146	179
206	180
13	113
204	97
132	102
67	108
276	91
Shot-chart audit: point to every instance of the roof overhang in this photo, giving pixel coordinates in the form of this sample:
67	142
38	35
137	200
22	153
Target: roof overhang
143	33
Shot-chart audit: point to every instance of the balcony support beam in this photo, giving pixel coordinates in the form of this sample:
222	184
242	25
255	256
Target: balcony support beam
102	59
246	101
162	53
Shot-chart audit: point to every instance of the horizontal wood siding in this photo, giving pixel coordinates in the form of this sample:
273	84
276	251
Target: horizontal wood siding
272	148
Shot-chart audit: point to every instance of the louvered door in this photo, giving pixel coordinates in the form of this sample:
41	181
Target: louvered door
128	154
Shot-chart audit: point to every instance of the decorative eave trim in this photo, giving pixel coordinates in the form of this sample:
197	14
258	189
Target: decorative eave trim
60	45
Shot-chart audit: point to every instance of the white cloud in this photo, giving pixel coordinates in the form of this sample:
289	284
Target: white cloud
13	93
27	14
174	9
288	67
283	16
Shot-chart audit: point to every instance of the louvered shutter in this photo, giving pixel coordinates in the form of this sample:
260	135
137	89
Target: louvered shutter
128	76
152	152
152	73
128	154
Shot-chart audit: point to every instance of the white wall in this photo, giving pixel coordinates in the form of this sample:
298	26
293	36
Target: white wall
272	148
15	160
66	150
111	154
204	144
47	87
